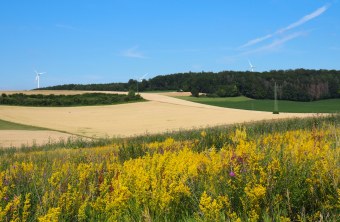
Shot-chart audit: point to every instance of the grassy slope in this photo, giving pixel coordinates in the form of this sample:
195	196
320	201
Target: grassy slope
68	164
5	125
321	106
133	146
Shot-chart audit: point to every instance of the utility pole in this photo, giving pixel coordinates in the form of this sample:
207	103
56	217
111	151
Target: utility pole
137	87
276	107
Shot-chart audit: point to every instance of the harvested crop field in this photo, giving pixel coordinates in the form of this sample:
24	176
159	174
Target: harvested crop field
17	138
161	113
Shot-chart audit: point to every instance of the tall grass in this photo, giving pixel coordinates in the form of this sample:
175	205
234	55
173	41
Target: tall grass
287	170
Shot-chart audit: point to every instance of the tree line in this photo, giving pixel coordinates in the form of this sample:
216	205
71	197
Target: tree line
295	85
87	99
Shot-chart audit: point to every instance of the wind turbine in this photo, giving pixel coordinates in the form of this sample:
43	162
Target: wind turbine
37	77
140	80
251	66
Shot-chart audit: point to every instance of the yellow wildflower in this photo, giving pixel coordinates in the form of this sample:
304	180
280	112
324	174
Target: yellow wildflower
51	216
211	208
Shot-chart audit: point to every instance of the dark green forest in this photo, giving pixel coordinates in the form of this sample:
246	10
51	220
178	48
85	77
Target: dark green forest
87	99
294	85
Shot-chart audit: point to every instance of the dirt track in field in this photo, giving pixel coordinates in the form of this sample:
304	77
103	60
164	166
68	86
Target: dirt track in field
161	113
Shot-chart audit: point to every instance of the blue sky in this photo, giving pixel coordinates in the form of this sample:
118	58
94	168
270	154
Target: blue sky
102	41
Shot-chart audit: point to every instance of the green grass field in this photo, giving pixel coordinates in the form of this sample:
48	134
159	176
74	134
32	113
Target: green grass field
241	102
5	125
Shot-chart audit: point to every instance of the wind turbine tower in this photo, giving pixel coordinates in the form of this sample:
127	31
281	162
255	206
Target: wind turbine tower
37	77
140	80
251	66
143	77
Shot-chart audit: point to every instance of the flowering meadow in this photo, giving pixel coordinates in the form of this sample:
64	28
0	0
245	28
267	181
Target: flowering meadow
282	171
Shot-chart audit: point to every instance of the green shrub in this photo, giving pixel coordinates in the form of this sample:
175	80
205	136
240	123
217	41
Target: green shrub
195	92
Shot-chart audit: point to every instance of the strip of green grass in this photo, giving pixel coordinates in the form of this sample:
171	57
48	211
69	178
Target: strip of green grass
321	106
6	125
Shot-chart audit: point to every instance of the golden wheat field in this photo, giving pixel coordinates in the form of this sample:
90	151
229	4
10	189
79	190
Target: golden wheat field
160	113
16	138
283	170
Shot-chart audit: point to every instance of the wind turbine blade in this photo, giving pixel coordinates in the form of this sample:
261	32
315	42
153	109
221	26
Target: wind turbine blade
250	63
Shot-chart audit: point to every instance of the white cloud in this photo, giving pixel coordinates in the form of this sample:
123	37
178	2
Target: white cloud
257	40
133	53
275	44
305	19
300	22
